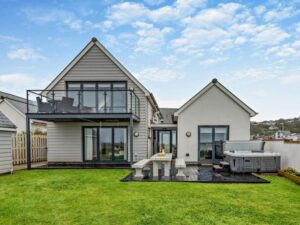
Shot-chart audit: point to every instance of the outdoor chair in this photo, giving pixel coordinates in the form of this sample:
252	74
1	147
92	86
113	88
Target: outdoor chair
43	106
66	105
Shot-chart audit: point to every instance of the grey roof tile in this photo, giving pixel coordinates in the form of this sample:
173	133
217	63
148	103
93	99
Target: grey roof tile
167	114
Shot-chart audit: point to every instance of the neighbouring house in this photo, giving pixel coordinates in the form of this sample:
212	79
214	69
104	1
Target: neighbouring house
15	108
7	129
293	137
282	134
98	113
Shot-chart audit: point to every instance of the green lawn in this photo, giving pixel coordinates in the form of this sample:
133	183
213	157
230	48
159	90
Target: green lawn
98	197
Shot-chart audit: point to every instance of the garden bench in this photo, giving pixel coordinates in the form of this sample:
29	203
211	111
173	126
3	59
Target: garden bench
138	166
180	166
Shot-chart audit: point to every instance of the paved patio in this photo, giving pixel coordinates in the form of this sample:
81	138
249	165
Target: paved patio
198	174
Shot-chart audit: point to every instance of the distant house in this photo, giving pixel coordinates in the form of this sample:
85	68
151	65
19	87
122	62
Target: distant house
282	134
15	108
293	137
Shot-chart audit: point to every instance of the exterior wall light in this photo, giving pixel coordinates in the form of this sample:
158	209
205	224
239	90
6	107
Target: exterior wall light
136	134
188	133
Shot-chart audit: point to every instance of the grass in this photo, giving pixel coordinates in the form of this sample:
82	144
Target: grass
98	197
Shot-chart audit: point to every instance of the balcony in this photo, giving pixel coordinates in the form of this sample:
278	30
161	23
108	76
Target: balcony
71	105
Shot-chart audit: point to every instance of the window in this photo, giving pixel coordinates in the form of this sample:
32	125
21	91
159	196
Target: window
105	143
99	96
210	141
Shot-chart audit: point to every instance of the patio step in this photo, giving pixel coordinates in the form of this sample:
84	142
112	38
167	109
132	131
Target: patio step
224	164
217	168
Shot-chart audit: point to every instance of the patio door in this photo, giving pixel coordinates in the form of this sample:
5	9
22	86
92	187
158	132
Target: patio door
211	140
105	143
167	141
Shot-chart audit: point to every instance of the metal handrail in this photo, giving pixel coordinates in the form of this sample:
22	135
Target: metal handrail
50	96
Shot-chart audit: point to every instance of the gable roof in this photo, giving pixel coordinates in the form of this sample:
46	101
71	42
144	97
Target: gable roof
5	122
17	102
215	83
95	42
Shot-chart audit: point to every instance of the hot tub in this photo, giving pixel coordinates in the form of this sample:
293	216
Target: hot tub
248	162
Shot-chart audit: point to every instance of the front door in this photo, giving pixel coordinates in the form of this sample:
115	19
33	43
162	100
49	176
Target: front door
210	140
105	143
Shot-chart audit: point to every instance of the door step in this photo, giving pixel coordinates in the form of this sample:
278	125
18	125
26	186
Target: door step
224	164
206	164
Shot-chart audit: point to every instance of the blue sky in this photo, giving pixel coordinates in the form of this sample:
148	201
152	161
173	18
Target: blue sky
173	47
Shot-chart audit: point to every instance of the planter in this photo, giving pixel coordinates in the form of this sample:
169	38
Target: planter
291	177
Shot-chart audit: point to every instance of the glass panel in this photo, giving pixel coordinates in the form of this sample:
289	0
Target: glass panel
206	135
104	93
74	94
89	98
220	133
205	151
174	144
120	143
119	101
90	143
164	141
119	85
105	143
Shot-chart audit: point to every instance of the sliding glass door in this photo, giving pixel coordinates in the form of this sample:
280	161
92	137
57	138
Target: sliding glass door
105	143
210	140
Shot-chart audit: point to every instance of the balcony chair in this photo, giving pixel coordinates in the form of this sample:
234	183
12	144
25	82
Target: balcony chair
43	106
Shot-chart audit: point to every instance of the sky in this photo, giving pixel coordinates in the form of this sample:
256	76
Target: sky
174	48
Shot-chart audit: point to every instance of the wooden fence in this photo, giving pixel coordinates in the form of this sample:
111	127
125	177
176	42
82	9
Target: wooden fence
38	148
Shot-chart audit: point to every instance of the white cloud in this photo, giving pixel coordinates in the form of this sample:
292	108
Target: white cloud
7	38
255	73
283	51
280	14
18	83
296	43
270	35
157	74
260	9
127	12
213	60
150	38
154	2
290	79
221	15
65	19
240	40
24	54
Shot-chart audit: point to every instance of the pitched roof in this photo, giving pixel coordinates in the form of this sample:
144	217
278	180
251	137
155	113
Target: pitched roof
167	115
95	42
215	83
18	102
5	122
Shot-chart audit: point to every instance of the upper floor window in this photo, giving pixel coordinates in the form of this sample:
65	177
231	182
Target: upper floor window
99	96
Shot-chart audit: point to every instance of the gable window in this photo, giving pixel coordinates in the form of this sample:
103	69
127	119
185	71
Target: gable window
99	97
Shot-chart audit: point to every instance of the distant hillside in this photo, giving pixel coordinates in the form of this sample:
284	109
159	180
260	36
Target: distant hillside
268	128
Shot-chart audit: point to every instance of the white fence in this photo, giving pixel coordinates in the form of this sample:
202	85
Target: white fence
289	151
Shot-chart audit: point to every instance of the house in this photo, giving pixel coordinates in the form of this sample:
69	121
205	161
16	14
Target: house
282	134
98	113
7	128
15	108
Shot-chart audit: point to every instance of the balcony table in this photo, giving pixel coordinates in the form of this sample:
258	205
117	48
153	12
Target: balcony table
159	160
